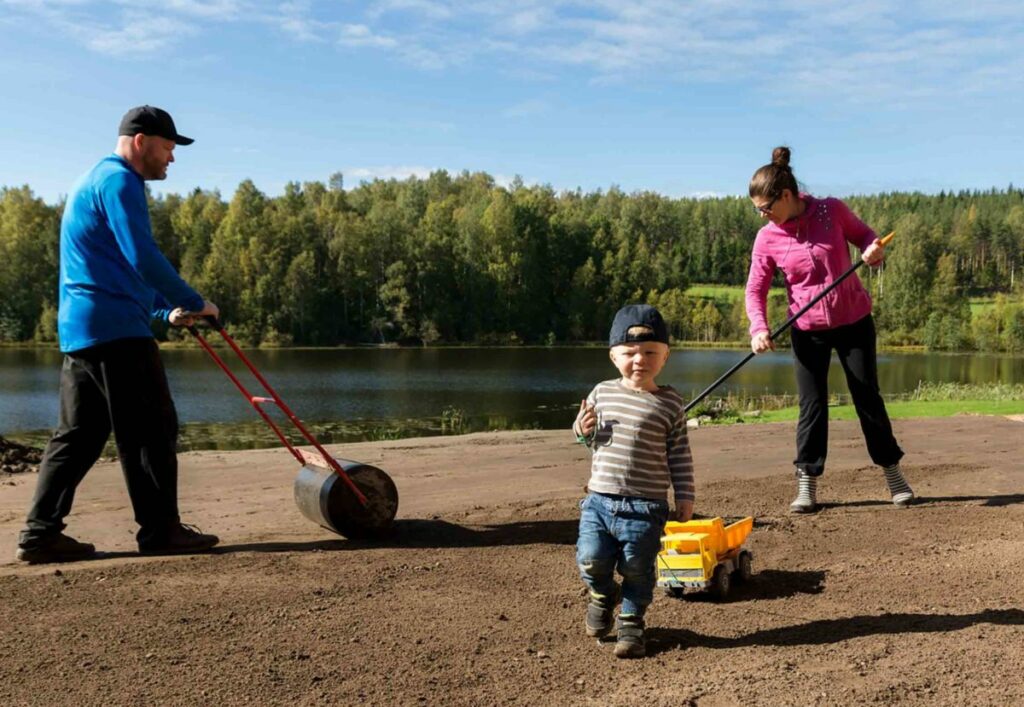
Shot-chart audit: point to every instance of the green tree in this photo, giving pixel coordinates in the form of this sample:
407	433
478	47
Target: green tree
949	319
903	292
28	267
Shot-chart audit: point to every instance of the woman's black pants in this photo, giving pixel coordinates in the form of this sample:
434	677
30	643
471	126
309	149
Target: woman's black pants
854	344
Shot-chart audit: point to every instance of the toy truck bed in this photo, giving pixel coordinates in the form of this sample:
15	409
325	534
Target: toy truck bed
704	554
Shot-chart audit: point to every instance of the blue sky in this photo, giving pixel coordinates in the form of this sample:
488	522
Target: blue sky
683	98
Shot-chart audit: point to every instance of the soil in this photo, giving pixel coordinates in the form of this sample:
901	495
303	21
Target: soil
17	458
475	598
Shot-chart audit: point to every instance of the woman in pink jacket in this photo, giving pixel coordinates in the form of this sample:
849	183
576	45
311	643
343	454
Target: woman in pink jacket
806	238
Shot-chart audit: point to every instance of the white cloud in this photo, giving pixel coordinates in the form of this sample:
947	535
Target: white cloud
706	195
209	10
834	50
387	172
426	58
133	37
425	8
368	174
295	20
524	22
526	109
300	29
503	180
363	36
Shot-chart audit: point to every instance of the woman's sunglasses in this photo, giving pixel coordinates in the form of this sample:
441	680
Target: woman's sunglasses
767	208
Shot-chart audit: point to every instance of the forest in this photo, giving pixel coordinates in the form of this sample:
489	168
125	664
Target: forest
460	259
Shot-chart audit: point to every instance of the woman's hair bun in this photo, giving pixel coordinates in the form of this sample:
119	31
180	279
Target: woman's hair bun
780	157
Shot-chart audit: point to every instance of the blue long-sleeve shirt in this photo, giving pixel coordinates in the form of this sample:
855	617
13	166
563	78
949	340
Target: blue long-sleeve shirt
113	279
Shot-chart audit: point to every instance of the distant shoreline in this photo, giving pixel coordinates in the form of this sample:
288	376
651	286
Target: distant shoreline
676	345
254	434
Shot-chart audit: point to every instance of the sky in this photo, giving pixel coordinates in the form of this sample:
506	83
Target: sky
677	97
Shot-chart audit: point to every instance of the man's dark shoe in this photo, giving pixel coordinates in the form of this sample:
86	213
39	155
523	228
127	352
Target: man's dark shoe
630	642
599	614
57	548
178	540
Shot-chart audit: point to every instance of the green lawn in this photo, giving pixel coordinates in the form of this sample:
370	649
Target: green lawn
912	408
980	304
723	293
731	293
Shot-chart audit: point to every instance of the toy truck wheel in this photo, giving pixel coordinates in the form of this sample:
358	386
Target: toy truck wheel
674	592
744	570
720	583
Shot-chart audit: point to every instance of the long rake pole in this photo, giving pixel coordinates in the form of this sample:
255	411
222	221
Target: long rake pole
782	328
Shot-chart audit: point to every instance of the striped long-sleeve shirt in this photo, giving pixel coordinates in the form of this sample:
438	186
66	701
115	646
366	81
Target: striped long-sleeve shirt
640	446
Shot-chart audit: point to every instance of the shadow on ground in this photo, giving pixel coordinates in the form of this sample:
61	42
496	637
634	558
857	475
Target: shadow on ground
997	501
1008	499
766	585
434	533
833	630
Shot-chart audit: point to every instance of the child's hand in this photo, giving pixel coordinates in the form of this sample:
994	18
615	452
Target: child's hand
684	511
586	419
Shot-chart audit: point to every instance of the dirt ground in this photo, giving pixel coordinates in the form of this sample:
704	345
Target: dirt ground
475	599
17	458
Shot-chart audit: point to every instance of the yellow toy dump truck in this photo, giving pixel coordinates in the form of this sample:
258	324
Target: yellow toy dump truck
704	555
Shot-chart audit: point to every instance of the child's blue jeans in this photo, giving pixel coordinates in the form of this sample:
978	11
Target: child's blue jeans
624	533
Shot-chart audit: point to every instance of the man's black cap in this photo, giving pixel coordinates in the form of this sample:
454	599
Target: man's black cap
151	121
637	315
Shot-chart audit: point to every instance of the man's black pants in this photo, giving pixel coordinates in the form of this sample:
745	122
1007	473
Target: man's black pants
120	386
812	352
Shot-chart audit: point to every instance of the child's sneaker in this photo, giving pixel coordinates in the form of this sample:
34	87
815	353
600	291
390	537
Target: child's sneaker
630	642
806	500
899	489
599	614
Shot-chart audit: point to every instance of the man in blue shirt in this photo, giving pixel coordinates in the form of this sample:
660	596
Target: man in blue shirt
113	282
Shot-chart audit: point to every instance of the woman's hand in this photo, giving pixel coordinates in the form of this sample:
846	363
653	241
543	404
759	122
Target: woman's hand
761	342
586	419
874	253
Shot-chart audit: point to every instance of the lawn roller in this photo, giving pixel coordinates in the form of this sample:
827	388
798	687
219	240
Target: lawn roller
782	327
351	498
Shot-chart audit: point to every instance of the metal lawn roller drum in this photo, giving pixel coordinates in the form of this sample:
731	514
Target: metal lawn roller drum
354	499
324	498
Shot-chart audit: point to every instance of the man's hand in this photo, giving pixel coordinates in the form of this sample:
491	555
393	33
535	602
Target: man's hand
586	419
181	317
209	310
874	253
684	511
761	342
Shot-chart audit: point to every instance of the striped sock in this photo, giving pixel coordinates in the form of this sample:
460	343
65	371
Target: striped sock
901	492
806	494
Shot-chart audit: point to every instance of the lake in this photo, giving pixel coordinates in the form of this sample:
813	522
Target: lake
521	387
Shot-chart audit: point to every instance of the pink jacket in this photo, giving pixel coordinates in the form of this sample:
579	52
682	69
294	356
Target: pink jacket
811	251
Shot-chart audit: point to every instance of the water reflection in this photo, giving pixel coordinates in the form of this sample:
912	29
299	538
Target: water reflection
524	386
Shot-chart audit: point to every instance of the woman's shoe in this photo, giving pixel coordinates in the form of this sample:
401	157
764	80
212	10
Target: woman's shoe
806	494
899	489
